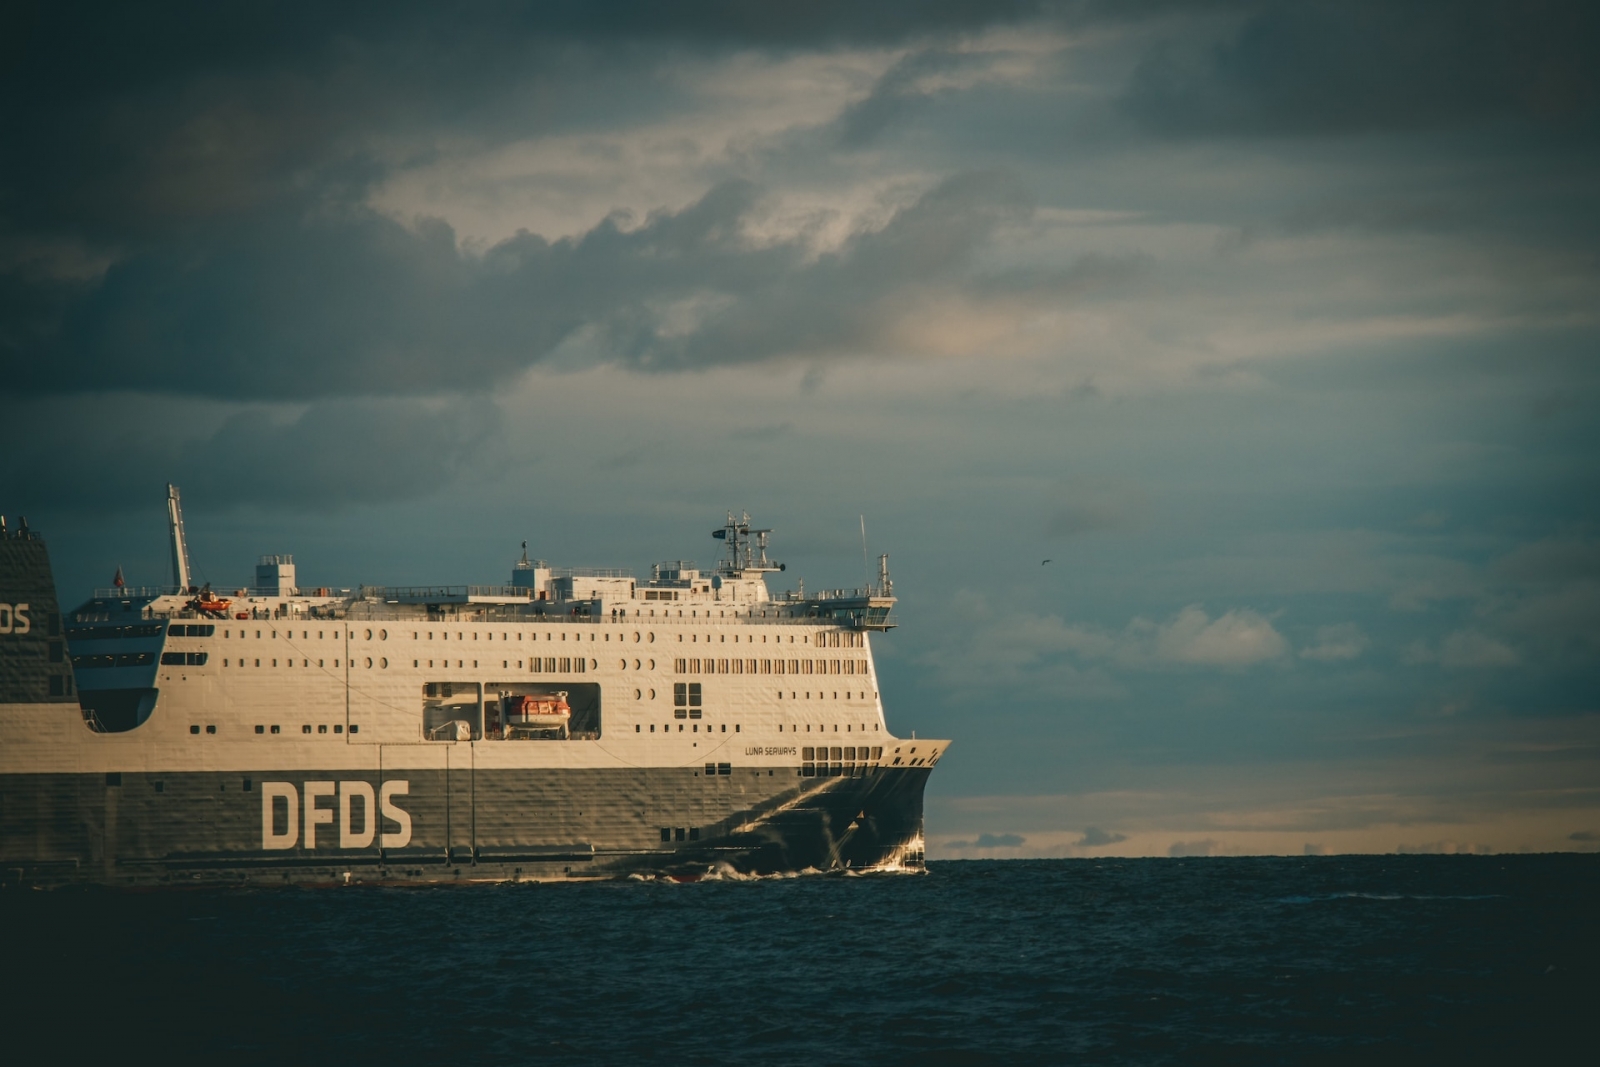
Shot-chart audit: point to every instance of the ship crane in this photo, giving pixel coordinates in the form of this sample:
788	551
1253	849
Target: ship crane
204	602
180	545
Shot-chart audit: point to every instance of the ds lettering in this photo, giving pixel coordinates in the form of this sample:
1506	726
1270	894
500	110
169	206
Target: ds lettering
14	619
347	794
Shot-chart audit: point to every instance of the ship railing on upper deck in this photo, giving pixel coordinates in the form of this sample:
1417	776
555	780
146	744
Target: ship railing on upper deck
557	612
591	572
793	596
128	592
443	594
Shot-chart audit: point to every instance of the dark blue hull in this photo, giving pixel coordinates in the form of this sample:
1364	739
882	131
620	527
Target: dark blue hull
452	826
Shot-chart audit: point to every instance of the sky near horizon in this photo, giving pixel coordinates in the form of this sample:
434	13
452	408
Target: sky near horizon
1272	326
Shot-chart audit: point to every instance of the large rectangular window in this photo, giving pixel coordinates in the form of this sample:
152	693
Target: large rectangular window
686	700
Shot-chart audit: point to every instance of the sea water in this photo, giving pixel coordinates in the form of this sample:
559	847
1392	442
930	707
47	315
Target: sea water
1372	959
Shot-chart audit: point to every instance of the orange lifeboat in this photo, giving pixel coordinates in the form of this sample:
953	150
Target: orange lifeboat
539	712
207	604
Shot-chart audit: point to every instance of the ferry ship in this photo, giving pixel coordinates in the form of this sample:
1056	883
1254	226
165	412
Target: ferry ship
571	724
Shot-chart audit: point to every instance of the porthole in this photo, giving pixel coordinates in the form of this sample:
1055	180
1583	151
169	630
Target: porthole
652	694
636	637
637	695
383	663
369	635
383	635
652	664
369	661
652	638
622	665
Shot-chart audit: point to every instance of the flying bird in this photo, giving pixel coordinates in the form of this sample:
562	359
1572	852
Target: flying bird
1042	564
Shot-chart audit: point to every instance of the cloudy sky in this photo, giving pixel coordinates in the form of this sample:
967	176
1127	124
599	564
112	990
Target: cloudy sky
1273	326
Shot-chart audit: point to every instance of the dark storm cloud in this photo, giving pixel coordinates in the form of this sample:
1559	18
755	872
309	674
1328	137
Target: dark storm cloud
354	303
1094	837
118	118
328	454
1324	68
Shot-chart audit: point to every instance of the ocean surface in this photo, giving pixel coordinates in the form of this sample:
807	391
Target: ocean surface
1380	959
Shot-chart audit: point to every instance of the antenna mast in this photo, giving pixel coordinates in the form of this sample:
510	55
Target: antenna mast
866	570
180	546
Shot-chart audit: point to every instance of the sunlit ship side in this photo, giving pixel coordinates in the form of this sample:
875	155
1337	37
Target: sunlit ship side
577	723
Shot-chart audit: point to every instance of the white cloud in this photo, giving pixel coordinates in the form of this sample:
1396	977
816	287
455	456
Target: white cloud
1335	643
1067	656
1235	638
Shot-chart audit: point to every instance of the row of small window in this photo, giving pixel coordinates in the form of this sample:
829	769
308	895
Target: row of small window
140	659
833	640
119	659
337	635
834	770
116	633
661	594
824	640
461	635
290	662
770	666
561	665
838	753
676	833
288	635
749	639
667	728
322	728
713	769
823	728
824	696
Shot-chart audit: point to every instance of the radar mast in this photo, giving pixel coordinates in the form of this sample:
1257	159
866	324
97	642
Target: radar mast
747	548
